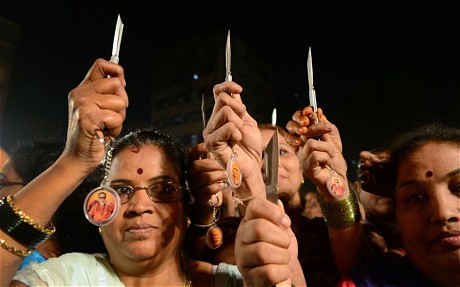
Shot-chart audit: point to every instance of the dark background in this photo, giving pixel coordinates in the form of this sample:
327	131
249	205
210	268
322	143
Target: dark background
380	68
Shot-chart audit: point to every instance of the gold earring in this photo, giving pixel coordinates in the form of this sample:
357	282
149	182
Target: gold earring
100	230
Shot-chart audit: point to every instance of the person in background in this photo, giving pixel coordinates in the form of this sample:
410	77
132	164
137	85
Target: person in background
206	183
27	160
424	178
380	217
311	206
234	138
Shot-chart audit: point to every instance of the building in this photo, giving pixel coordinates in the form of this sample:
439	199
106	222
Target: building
189	70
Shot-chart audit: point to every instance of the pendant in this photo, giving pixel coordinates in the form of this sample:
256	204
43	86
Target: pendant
214	237
335	184
233	171
101	205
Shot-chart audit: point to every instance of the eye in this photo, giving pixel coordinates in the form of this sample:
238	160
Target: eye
165	187
415	198
123	190
455	188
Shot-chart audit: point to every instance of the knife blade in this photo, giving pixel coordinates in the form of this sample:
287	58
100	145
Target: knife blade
271	162
228	59
117	40
311	92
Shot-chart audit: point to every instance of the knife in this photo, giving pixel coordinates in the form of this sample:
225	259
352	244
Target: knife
228	59
271	162
311	92
117	41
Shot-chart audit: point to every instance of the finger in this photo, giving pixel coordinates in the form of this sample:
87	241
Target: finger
265	253
317	130
263	209
104	120
295	128
307	111
226	87
265	275
293	141
196	152
101	69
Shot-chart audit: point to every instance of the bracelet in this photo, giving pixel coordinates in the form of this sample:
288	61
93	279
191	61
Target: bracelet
340	214
216	216
15	251
243	200
20	226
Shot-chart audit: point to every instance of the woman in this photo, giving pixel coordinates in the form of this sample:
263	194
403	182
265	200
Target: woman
144	239
27	160
425	178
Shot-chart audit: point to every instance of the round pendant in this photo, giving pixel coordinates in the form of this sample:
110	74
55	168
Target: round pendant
335	185
214	237
234	173
101	205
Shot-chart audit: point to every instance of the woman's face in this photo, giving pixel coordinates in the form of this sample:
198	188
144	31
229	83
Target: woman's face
143	229
290	174
312	208
428	210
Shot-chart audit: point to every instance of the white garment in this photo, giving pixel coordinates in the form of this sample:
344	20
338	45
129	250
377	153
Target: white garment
80	269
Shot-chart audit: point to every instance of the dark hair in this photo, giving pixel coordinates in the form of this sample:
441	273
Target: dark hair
171	148
30	158
412	141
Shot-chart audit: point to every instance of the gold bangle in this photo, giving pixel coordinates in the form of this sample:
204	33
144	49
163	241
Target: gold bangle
340	214
212	223
48	229
15	251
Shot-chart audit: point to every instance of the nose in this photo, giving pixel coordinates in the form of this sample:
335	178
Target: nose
446	208
140	202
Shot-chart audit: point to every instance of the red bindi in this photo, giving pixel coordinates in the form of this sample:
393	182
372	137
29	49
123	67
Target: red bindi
136	150
140	170
429	174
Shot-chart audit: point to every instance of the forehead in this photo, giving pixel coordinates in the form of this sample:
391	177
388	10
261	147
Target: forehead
151	159
438	158
267	135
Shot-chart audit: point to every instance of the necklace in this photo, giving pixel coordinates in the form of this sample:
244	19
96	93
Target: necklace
188	278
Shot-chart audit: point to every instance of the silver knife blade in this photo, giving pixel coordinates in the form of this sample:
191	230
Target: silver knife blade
117	40
228	59
203	115
274	117
271	161
311	92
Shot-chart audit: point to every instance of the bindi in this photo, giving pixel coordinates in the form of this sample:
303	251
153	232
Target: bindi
429	173
140	170
136	150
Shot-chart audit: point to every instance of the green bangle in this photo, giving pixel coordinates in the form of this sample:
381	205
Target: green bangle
340	214
21	227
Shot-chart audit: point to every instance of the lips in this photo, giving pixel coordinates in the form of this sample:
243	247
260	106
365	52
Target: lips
140	228
449	238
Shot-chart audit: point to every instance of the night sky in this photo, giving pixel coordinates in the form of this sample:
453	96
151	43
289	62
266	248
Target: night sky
379	69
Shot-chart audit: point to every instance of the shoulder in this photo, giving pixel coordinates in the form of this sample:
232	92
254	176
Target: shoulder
70	269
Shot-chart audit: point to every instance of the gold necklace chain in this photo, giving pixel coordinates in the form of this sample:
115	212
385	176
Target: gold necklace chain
185	266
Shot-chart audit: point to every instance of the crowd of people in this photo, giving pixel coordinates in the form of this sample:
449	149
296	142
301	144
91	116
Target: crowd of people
178	219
